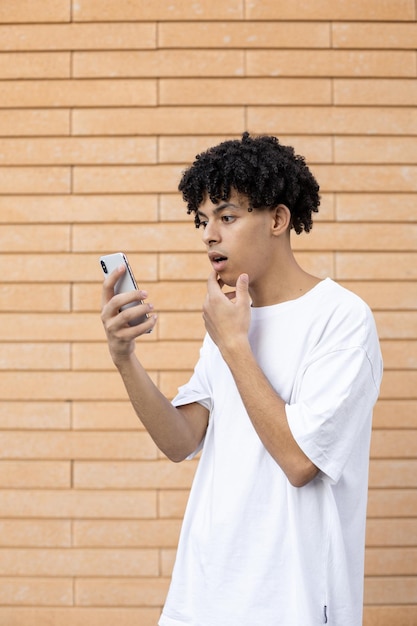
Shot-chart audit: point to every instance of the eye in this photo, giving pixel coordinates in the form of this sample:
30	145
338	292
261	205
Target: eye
202	224
227	219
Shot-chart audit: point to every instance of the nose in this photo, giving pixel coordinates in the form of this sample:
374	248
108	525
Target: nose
210	234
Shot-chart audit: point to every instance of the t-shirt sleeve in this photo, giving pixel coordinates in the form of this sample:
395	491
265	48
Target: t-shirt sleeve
198	388
335	396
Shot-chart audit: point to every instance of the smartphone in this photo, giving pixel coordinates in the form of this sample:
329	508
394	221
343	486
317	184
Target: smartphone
127	282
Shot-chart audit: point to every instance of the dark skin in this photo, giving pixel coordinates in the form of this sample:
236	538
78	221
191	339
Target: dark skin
250	252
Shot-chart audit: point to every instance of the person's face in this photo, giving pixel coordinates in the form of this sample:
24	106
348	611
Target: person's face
237	241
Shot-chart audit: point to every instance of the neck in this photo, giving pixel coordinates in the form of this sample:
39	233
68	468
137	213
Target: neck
286	281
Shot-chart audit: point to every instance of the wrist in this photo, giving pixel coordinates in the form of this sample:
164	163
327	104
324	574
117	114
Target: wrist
123	360
236	348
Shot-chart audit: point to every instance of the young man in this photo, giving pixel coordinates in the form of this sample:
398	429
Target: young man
280	403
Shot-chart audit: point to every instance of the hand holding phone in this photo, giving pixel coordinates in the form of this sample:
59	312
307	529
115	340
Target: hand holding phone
126	283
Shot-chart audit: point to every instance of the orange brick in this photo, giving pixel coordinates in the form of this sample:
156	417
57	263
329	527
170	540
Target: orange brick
76	616
158	120
143	237
379	92
378	207
400	354
181	326
65	268
168	382
180	265
69	151
398	385
268	34
391	532
39	474
35	533
331	10
34	298
33	122
333	120
71	93
35	179
390	590
153	355
239	91
131	179
374	35
93	10
34	356
34	65
121	592
116	36
171	205
183	149
36	591
176	296
396	324
65	386
385	294
172	503
35	11
50	327
392	502
78	208
369	237
389	615
376	265
375	178
161	63
56	562
63	504
395	414
126	533
43	238
390	561
77	445
127	475
396	63
104	416
392	474
167	561
375	150
394	444
35	415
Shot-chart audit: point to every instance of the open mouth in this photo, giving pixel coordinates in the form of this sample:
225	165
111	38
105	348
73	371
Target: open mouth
218	262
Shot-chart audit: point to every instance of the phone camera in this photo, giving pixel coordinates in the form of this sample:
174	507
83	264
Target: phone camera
104	266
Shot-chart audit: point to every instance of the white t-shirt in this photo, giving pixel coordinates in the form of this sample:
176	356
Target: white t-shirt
254	550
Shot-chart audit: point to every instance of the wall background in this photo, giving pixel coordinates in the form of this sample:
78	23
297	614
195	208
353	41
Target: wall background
102	104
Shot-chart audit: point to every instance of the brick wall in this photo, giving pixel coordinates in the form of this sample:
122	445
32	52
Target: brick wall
102	104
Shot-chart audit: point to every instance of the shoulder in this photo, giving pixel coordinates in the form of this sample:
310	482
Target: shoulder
341	301
346	319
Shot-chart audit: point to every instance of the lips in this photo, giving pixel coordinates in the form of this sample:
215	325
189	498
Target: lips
218	261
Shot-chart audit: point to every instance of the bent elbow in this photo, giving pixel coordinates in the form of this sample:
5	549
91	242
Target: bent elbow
174	455
302	476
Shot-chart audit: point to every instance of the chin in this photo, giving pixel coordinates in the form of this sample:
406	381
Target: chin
229	281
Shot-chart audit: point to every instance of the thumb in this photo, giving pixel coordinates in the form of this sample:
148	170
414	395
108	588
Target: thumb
242	287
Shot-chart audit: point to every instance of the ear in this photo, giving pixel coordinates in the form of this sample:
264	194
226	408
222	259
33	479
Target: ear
281	220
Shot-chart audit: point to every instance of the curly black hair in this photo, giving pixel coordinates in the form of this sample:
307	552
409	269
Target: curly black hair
260	168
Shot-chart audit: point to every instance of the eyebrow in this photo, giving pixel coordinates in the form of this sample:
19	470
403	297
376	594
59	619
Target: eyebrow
218	209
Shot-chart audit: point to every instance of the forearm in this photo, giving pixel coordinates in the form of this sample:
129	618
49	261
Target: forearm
168	426
266	410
